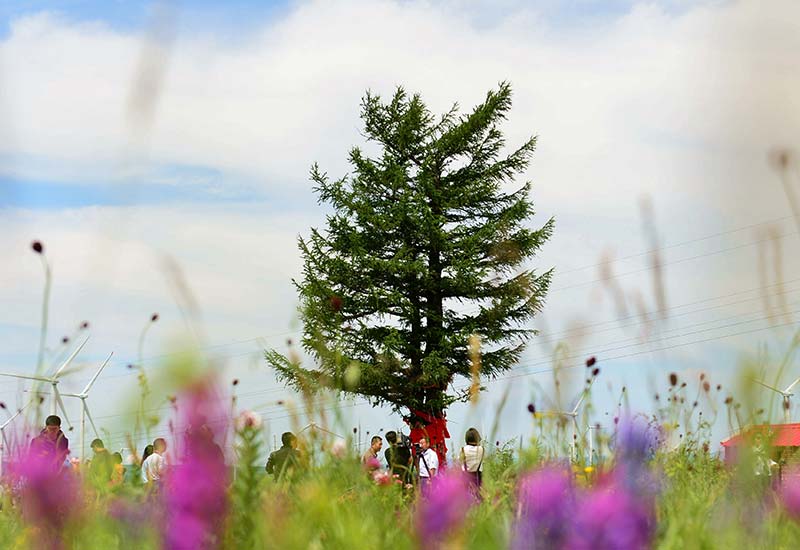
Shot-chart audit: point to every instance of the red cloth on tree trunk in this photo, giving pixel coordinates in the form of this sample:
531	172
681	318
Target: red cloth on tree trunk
435	427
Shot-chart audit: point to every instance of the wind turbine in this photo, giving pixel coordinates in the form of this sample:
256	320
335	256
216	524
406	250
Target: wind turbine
4	442
786	394
85	409
52	380
573	414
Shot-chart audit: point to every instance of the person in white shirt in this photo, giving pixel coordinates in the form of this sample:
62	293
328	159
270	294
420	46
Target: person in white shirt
428	463
154	465
472	460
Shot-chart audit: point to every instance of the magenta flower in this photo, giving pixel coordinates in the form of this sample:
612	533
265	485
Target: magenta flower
196	489
790	496
545	506
442	509
50	496
610	518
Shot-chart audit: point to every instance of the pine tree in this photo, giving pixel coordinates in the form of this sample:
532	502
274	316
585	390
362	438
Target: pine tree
423	249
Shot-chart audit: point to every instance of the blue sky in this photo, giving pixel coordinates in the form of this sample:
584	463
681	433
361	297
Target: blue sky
629	100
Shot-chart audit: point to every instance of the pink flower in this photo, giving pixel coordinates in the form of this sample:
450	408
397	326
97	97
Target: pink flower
50	496
443	508
382	477
248	419
339	448
196	488
790	496
372	463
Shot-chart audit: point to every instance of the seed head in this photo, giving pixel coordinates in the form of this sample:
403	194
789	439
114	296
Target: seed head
595	371
65	339
235	382
84	325
37	247
2	405
728	400
719	387
673	379
154	317
591	361
531	408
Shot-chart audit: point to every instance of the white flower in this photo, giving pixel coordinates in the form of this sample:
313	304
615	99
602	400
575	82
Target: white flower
339	448
248	419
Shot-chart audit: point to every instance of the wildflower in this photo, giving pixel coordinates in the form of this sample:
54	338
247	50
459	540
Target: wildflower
673	379
49	498
531	408
443	508
382	477
154	317
84	325
591	361
588	469
610	517
37	247
2	405
339	448
196	490
545	506
790	497
248	419
706	386
235	382
595	371
65	339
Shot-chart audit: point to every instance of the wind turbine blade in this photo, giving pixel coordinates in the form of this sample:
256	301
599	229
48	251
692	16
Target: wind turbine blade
791	386
91	382
776	390
25	376
89	416
66	363
11	419
61	406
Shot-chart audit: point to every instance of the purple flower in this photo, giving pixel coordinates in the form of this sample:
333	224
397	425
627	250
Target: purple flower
50	496
196	488
443	508
545	506
790	496
609	518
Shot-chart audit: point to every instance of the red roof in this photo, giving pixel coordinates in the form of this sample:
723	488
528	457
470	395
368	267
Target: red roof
779	435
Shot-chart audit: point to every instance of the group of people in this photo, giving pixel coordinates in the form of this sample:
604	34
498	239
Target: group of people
419	462
409	463
104	469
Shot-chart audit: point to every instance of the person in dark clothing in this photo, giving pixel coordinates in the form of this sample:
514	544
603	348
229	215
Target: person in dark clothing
51	444
284	462
102	465
398	458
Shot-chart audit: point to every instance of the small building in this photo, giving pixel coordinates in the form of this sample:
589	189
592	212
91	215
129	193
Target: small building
781	444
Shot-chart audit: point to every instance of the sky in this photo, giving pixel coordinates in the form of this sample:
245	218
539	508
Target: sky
142	140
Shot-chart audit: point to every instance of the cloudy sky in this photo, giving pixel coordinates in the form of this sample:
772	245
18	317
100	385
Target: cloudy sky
134	137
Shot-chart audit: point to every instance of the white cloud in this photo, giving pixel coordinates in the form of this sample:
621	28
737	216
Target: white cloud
679	105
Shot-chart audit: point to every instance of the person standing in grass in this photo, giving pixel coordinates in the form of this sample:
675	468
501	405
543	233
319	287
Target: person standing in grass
102	465
472	460
398	458
51	444
154	466
428	463
371	456
285	461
